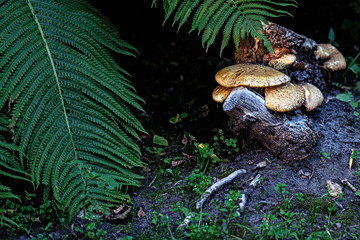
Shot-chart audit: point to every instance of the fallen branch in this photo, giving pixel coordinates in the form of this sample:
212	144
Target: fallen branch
347	183
218	185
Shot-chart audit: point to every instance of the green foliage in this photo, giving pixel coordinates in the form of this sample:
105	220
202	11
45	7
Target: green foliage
205	155
203	225
223	144
90	231
20	217
198	182
67	103
324	157
331	37
234	18
348	97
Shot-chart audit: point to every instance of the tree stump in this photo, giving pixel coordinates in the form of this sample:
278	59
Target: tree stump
290	138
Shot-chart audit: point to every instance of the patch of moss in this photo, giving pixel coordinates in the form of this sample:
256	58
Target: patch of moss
242	231
310	203
347	216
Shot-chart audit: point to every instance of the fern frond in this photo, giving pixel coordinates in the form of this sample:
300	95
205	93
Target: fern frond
5	220
71	101
234	17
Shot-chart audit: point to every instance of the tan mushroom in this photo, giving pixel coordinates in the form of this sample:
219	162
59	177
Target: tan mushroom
284	98
336	60
282	62
313	96
250	75
220	93
324	50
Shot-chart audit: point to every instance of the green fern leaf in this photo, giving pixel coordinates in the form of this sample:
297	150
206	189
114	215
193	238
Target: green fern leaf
72	102
234	17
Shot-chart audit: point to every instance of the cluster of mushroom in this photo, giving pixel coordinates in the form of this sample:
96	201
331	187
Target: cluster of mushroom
280	94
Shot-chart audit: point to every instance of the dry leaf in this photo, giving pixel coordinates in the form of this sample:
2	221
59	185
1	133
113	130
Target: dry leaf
116	211
187	155
184	140
143	136
250	162
261	164
141	213
206	110
162	154
175	163
334	189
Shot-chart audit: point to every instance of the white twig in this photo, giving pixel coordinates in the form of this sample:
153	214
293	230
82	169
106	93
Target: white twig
216	186
186	221
254	182
242	203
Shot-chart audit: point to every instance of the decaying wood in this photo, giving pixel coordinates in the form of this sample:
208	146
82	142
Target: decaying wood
289	137
282	40
307	67
218	185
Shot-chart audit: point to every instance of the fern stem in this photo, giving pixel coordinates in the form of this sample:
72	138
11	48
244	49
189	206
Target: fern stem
55	74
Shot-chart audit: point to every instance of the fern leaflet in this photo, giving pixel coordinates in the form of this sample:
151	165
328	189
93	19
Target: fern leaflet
235	17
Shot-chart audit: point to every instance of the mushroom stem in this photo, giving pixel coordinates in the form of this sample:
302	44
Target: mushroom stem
288	137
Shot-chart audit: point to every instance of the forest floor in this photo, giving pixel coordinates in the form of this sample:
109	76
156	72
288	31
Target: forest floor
289	201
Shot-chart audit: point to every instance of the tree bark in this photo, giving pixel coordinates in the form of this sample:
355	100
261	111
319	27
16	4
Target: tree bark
288	136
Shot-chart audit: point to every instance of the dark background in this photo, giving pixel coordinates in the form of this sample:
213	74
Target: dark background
174	74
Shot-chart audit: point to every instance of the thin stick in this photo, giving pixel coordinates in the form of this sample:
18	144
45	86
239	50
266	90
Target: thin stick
153	180
218	185
347	183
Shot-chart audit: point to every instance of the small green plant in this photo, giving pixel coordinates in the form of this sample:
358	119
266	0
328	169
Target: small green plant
231	210
25	215
324	157
90	231
230	144
281	188
178	118
205	155
198	181
202	225
348	97
161	223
